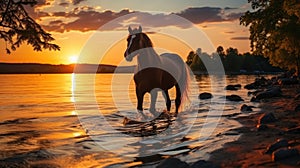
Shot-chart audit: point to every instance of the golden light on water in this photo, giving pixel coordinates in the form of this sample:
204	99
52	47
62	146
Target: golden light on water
72	99
76	134
73	113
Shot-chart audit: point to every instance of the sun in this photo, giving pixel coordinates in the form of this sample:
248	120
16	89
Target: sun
73	59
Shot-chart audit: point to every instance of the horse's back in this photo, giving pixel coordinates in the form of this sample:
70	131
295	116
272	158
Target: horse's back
172	56
173	64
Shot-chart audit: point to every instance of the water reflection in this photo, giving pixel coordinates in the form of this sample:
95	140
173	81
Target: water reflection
38	121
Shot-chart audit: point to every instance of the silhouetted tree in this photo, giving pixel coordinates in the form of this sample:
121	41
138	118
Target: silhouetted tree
221	53
196	60
232	62
17	27
275	31
190	58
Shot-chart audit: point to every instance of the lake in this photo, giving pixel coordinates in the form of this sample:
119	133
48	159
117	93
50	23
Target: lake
69	120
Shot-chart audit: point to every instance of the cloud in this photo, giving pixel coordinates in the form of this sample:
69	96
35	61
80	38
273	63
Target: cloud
200	15
229	32
86	18
64	4
234	16
239	38
76	2
210	14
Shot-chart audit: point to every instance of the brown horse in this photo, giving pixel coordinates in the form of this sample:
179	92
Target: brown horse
156	72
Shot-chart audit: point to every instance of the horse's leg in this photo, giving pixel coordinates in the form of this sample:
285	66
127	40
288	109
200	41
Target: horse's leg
140	99
153	94
178	97
168	100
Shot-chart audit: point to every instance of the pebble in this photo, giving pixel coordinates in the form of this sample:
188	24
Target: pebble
172	162
282	154
246	108
234	98
297	108
262	127
205	95
267	118
203	164
280	143
233	87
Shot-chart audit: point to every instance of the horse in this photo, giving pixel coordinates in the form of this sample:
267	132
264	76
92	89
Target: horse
156	72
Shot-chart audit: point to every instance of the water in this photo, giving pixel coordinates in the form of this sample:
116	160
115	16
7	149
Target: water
59	121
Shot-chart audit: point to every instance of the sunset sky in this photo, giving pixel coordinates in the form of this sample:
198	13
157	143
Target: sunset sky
73	23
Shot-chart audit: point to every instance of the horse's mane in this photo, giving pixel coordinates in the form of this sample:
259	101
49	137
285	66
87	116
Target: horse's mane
145	40
147	45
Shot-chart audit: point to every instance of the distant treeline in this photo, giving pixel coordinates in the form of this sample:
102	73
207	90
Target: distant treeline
33	68
232	60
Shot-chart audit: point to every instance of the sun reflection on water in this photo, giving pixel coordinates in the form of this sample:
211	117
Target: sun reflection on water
73	113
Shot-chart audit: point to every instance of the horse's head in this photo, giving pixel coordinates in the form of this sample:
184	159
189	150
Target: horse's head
136	40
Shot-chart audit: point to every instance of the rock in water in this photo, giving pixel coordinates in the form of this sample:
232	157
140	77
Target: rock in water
234	98
205	95
231	87
267	118
203	164
262	127
288	81
172	162
270	93
295	130
297	108
279	144
246	108
127	121
282	154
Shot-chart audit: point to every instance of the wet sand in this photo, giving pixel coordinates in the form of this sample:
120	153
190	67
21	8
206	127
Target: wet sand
249	150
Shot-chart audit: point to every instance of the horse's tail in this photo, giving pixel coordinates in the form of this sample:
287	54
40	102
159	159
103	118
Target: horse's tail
184	84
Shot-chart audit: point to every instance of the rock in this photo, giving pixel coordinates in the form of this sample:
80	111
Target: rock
230	87
297	97
205	95
262	127
233	87
270	93
246	108
267	118
253	99
280	143
282	154
234	98
254	92
172	162
251	86
238	85
297	108
294	130
288	81
259	82
204	164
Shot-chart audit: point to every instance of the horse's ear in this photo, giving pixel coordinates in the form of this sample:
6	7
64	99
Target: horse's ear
140	29
130	30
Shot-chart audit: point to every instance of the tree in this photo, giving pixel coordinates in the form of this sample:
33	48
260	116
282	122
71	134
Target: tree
17	27
221	53
233	60
190	58
275	31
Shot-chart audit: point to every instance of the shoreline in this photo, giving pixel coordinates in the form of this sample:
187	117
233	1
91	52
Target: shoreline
249	150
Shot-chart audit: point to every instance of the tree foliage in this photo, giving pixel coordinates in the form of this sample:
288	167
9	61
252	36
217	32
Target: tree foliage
275	31
232	60
17	27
